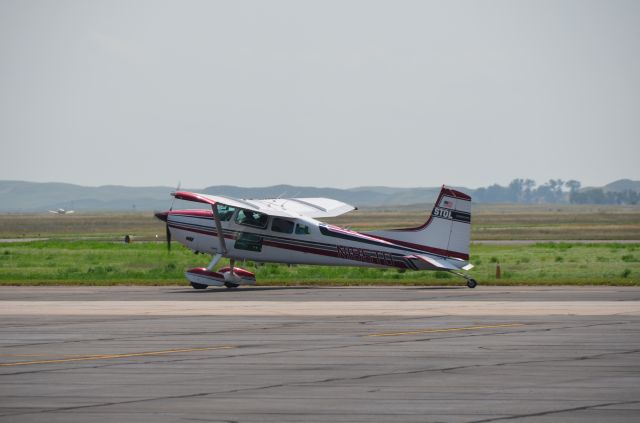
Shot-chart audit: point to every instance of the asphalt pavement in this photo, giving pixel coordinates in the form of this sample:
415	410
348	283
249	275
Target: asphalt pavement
139	364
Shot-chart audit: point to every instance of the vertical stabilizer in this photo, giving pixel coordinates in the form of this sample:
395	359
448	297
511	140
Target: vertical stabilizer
446	233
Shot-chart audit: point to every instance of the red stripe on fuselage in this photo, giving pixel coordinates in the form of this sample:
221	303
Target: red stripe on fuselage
432	250
199	231
294	247
193	213
300	248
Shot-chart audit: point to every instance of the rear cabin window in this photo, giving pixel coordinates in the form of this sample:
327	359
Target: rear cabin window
302	229
252	218
225	212
282	225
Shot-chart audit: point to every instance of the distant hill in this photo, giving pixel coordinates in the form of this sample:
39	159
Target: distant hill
622	185
35	197
623	191
21	196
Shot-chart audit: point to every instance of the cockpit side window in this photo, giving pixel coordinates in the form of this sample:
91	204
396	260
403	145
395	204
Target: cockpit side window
282	225
225	212
252	218
302	229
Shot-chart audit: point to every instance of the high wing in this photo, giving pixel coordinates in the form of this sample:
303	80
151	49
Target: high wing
282	207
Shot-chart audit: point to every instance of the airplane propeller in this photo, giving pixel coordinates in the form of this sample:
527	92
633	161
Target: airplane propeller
164	216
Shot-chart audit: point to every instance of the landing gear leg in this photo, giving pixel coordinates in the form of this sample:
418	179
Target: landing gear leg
230	285
471	283
214	261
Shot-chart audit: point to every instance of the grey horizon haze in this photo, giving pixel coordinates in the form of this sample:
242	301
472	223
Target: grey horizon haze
324	93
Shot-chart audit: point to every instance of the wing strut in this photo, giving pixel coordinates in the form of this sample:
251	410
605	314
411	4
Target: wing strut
216	218
222	250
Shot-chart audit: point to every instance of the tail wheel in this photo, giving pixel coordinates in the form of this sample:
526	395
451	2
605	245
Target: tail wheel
198	285
471	283
231	285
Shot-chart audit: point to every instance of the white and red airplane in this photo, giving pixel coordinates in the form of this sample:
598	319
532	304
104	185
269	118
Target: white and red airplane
286	231
62	211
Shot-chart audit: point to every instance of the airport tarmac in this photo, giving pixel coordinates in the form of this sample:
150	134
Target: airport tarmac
384	354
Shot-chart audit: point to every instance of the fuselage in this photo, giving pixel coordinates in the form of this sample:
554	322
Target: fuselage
61	211
293	240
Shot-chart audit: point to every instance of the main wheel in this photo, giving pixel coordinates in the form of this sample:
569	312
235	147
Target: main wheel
198	285
471	283
231	285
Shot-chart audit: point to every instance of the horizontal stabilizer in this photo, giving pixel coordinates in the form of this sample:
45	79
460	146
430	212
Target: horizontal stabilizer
436	263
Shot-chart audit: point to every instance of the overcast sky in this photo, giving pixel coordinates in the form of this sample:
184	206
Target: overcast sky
343	94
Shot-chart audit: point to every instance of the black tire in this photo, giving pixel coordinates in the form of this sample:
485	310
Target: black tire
471	283
198	285
231	285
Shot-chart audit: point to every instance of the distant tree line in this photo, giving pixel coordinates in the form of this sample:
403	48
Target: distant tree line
553	191
527	191
600	196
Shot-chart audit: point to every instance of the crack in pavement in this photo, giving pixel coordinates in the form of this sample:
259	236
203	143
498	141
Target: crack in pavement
549	412
276	326
338	379
161	335
336	347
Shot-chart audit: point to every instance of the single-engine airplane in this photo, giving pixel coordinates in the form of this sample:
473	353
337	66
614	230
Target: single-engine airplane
62	211
285	230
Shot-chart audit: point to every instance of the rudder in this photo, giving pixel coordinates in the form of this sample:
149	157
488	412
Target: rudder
446	233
